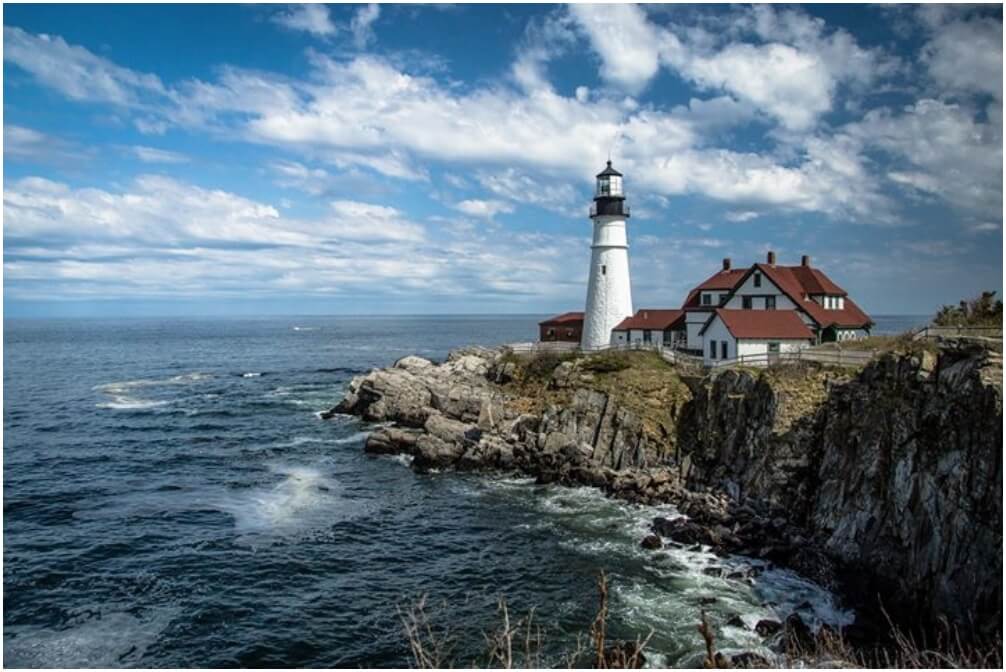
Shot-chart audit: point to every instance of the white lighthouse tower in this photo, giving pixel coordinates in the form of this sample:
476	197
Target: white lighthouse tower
609	296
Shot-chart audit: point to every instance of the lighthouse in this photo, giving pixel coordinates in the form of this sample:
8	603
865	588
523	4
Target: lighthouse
609	296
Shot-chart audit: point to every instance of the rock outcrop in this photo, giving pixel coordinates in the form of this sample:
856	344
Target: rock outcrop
895	474
889	479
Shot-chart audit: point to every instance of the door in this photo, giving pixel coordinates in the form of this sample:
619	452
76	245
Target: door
773	353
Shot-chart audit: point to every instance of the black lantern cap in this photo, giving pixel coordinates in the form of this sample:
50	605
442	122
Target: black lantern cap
609	171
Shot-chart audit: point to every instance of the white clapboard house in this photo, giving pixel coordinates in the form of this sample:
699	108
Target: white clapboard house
768	308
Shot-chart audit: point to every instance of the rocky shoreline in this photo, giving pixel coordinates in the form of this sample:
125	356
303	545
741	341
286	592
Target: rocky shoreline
884	485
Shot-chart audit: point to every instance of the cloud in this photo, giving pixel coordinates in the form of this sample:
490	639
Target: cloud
942	150
313	18
966	56
76	72
159	237
154	155
366	221
362	24
483	208
364	112
792	71
523	188
31	146
626	42
741	215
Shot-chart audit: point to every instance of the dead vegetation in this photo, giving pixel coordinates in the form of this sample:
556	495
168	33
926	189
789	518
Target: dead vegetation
520	643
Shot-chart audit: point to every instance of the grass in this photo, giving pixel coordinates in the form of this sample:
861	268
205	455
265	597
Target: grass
641	381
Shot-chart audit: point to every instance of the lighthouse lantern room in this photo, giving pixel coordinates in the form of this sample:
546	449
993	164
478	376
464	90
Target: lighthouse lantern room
609	294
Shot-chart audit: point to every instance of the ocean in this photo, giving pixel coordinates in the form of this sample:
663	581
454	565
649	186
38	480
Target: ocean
171	499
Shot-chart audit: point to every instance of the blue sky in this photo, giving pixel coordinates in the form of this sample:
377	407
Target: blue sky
365	159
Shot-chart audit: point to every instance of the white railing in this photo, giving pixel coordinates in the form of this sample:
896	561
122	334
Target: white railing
668	353
823	356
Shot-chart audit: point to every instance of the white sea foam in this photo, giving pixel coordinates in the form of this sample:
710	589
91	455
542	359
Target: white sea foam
124	396
251	374
108	640
666	590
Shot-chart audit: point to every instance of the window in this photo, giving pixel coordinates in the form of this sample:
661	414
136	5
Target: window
604	270
757	279
723	298
746	301
569	332
841	303
712	349
550	332
707	299
647	336
723	350
769	303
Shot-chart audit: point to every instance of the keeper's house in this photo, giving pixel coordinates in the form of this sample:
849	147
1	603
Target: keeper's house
565	327
769	308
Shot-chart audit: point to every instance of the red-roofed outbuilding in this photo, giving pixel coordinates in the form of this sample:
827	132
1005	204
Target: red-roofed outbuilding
564	327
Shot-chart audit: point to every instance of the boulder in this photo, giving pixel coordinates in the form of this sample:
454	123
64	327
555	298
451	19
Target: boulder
651	542
435	453
392	440
767	627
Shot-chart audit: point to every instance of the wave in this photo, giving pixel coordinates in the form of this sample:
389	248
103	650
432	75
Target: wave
252	374
123	393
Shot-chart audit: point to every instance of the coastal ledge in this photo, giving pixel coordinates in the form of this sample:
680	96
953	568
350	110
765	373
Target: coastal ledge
883	484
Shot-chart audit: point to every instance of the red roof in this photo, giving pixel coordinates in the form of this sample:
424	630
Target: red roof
799	283
720	280
650	318
565	318
782	324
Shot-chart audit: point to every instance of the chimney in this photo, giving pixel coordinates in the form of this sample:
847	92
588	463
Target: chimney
805	260
726	263
771	258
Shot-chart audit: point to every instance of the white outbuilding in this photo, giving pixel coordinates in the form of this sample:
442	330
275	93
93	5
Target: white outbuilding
756	335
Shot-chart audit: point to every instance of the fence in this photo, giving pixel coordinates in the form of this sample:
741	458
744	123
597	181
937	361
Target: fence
933	331
824	356
827	355
668	354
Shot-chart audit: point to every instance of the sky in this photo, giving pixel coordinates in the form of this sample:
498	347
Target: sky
372	159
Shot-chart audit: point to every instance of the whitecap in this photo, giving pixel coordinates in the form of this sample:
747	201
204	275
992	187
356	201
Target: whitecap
108	640
251	374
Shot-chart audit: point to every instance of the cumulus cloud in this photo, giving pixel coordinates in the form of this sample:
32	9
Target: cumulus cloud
767	64
965	55
313	19
941	149
624	39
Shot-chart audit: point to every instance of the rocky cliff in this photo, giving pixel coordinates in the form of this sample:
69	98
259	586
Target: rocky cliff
890	477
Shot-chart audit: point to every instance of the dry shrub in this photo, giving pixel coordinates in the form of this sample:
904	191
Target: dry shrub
520	644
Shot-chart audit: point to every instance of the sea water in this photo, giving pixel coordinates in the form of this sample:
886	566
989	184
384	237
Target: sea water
171	498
